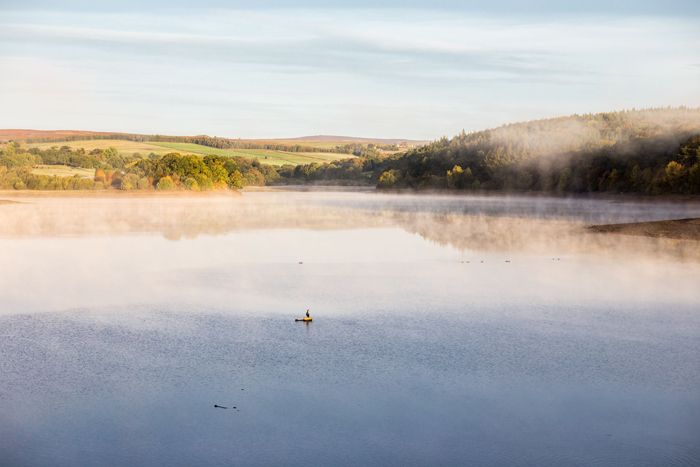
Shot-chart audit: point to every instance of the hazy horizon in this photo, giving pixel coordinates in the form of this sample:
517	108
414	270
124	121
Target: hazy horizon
379	70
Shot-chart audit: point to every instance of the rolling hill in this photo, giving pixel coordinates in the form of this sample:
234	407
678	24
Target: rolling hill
281	151
127	147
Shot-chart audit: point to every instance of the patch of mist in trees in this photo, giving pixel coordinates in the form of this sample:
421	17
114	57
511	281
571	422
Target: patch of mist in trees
556	136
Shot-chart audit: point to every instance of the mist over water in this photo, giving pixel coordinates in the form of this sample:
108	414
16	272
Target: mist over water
470	330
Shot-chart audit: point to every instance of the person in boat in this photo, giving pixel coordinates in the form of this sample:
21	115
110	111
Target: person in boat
307	313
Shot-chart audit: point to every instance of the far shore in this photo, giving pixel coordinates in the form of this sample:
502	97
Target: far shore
113	194
8	194
682	229
311	187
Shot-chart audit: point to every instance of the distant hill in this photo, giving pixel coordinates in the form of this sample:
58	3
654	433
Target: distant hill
294	151
29	135
26	134
354	139
652	151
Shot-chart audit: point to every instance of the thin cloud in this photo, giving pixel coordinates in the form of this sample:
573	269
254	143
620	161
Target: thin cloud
338	70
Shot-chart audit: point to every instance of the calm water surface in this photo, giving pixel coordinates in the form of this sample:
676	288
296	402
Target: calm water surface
447	331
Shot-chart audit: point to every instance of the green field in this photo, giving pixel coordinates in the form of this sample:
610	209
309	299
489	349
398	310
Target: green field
305	143
123	146
265	156
63	171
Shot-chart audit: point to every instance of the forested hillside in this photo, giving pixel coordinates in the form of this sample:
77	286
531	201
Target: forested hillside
652	151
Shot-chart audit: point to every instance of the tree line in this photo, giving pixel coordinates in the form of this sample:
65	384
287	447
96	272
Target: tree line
113	170
212	142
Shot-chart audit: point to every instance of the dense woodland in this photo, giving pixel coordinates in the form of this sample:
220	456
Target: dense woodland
652	152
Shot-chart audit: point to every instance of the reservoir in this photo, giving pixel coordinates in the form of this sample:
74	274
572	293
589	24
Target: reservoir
447	330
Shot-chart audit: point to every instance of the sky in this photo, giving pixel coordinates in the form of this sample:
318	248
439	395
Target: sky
381	68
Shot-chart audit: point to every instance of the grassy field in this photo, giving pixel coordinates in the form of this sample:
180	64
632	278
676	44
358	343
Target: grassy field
266	156
306	143
329	141
123	146
144	148
63	171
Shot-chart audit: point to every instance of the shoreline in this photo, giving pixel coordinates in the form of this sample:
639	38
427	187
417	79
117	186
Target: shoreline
679	229
4	194
114	193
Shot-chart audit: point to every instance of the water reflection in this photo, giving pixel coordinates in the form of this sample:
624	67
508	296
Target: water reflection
488	223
